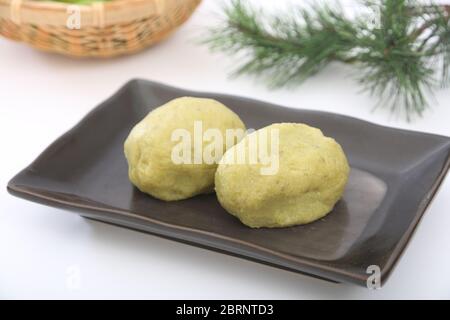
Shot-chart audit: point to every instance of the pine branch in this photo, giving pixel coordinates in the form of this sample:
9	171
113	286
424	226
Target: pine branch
399	47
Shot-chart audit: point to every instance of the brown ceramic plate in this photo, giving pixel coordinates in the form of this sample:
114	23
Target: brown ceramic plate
394	176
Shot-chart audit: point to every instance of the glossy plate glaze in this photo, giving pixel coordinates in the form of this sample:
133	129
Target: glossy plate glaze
395	174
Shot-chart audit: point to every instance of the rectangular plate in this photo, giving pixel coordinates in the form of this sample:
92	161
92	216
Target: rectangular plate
395	174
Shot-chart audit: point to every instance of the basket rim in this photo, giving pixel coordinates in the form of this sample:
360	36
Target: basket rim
55	13
55	5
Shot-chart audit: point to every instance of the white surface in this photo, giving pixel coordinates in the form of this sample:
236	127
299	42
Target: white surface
42	247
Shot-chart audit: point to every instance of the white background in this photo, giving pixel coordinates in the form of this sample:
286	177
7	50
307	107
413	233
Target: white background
43	95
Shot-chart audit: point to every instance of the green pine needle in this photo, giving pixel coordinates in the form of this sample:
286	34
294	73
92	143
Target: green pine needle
401	48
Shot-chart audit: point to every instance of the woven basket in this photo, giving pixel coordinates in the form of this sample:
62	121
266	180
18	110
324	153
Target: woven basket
106	28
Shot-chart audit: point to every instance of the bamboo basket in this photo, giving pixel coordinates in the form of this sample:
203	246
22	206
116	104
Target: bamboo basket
106	29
